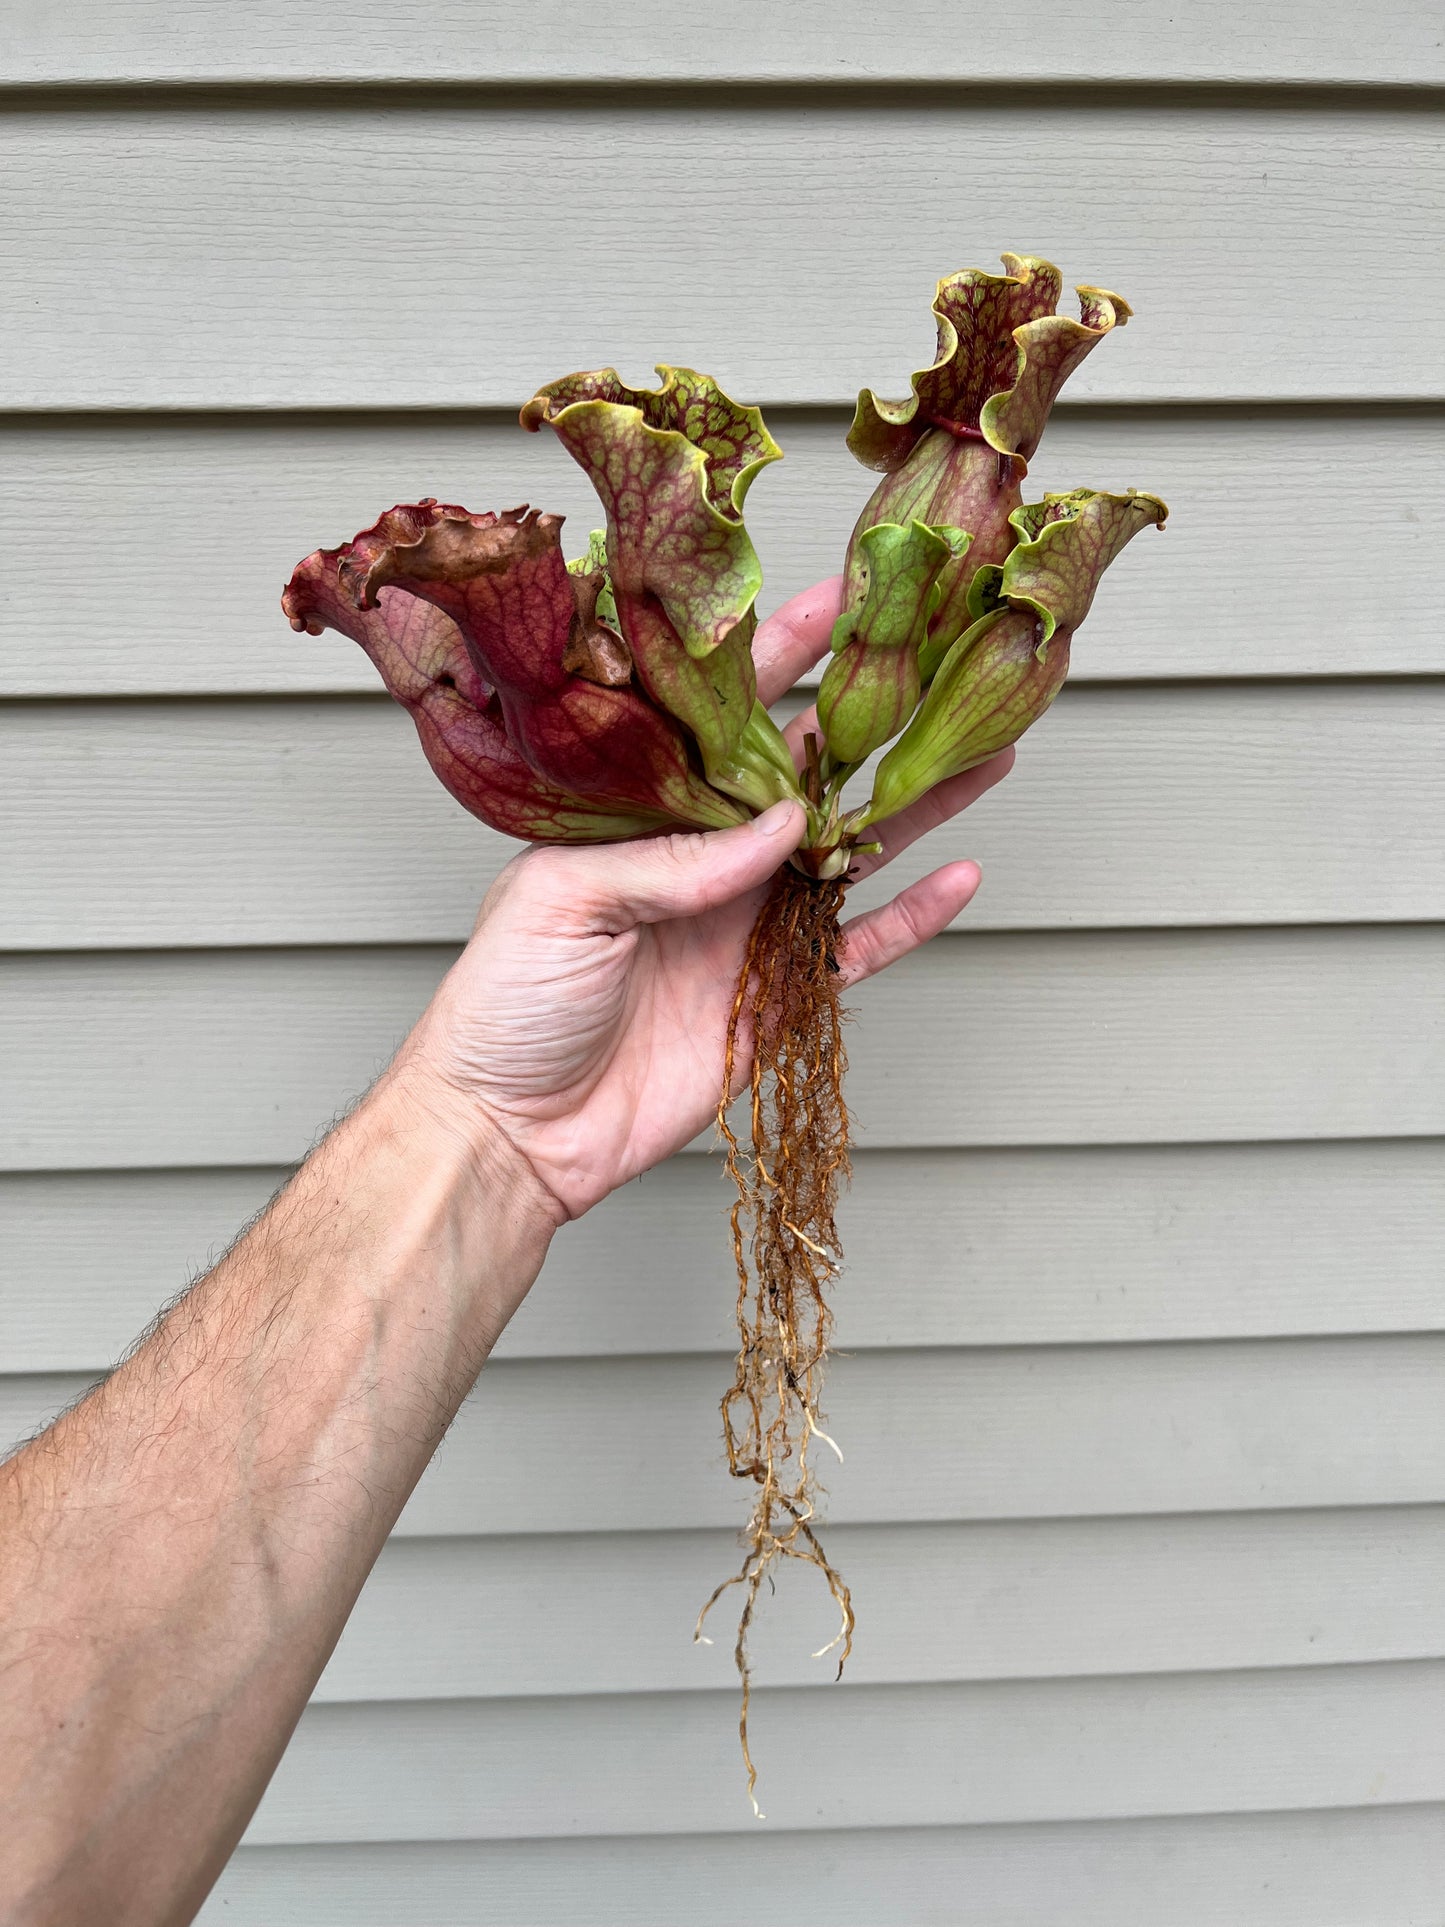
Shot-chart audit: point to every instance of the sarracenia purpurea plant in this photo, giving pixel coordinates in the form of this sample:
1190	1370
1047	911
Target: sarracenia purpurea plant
614	696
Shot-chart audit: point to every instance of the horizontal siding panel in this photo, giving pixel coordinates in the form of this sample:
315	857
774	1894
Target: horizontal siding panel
337	257
598	1613
1361	1867
149	825
988	1435
1010	1247
211	1058
865	1756
1130	1610
159	498
634	1444
143	40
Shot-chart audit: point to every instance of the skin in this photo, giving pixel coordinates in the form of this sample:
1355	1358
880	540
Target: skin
180	1551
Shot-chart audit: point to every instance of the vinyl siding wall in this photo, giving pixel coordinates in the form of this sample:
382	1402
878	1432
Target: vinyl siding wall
1144	1394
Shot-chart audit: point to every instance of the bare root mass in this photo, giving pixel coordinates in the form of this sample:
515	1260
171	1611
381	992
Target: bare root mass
785	1240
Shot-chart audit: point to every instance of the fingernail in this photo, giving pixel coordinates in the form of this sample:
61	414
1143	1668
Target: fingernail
775	818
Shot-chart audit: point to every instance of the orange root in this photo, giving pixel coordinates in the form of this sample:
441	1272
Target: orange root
785	1240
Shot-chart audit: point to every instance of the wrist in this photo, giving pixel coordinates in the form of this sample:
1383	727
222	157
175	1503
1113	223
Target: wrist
499	1216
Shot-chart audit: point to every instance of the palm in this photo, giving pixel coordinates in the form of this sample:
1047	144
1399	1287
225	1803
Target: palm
626	1063
595	1037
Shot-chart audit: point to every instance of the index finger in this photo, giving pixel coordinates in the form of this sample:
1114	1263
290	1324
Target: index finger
795	637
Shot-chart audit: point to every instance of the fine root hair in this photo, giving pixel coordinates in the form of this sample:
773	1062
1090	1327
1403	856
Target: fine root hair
785	1243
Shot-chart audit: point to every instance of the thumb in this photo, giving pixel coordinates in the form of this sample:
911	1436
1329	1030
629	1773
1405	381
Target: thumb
680	876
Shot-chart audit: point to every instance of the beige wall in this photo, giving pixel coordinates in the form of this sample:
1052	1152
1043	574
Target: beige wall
1145	1403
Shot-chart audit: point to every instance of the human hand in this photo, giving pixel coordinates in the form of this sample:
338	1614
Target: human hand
586	1019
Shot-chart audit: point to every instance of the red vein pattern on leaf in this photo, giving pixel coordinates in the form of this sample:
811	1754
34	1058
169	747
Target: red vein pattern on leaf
424	662
713	695
732	438
1016	677
665	537
414	645
1002	356
491	574
1068	541
671	466
976	357
503	581
1050	349
977	354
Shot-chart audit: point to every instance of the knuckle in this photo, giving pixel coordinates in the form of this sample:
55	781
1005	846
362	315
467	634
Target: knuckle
910	930
534	874
683	849
540	867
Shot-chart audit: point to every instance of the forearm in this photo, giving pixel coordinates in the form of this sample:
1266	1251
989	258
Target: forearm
179	1554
